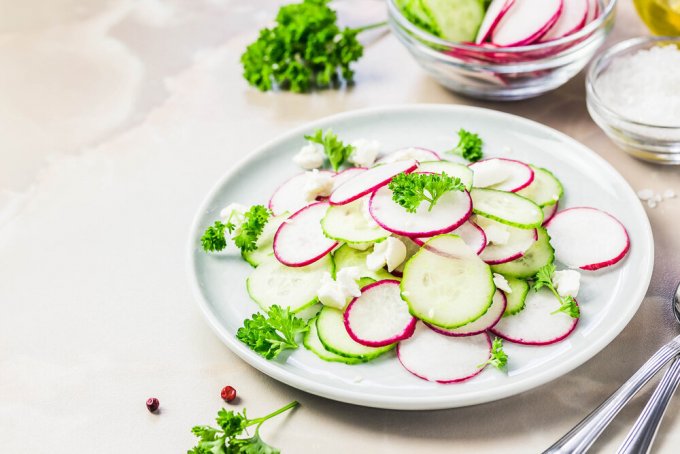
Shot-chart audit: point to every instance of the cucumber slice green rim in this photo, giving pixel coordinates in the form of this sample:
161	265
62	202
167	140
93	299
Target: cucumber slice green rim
541	253
346	256
312	343
333	335
545	190
518	296
265	243
346	223
446	284
506	208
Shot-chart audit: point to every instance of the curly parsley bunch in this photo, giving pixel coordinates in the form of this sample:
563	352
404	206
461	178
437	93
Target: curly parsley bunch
305	50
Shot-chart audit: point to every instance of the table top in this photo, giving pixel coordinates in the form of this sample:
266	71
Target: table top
117	119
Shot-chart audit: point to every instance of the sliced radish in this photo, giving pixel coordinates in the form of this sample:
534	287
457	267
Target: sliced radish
379	316
412	247
452	169
486	321
471	233
300	240
519	241
345	175
502	174
443	359
587	238
452	209
410	153
573	18
593	10
525	22
493	15
290	196
549	212
368	181
536	324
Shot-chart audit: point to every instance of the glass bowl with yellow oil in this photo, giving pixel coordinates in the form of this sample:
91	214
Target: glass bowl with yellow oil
661	16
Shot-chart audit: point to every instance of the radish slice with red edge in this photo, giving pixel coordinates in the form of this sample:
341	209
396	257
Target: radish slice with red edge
593	10
525	22
470	233
379	316
587	238
290	196
486	321
368	181
519	241
443	359
572	19
493	15
548	212
502	174
536	324
345	175
300	241
452	210
404	154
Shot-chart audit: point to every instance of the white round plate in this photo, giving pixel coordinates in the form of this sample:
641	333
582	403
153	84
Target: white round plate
608	298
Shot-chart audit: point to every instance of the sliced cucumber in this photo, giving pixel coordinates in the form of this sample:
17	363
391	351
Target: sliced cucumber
416	12
293	287
535	258
348	223
446	284
333	335
411	249
345	256
516	298
312	343
507	208
458	20
452	169
545	190
265	242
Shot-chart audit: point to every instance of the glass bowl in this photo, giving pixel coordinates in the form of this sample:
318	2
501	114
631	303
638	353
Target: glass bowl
650	142
503	73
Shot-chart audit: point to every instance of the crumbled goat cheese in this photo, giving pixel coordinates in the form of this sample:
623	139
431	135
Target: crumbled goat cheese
390	252
567	282
501	283
310	156
336	293
318	184
365	152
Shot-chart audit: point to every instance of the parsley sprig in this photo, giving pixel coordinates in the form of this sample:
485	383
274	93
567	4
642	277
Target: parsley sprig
410	189
498	358
306	49
223	438
469	146
255	218
336	150
270	335
544	279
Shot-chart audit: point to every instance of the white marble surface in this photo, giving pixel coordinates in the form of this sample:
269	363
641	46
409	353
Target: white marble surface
116	119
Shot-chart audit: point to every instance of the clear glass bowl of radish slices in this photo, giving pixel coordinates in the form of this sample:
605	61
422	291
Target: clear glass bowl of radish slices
510	50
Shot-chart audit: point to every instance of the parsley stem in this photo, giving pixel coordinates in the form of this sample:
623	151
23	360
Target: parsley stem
285	408
370	27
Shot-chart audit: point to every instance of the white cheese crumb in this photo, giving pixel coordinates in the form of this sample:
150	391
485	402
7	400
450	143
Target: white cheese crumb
501	283
318	184
310	156
234	213
567	282
336	293
390	252
669	194
365	152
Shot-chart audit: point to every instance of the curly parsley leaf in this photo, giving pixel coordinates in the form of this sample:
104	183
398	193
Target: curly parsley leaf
544	278
213	238
410	189
336	150
498	358
270	335
223	439
251	229
469	146
306	49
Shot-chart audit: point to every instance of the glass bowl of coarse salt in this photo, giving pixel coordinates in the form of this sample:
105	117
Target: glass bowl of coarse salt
633	94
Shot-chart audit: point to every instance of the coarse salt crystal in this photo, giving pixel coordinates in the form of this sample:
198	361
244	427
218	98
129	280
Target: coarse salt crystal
643	86
651	203
645	194
669	194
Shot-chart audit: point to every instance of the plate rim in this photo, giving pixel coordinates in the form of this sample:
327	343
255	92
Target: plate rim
273	369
